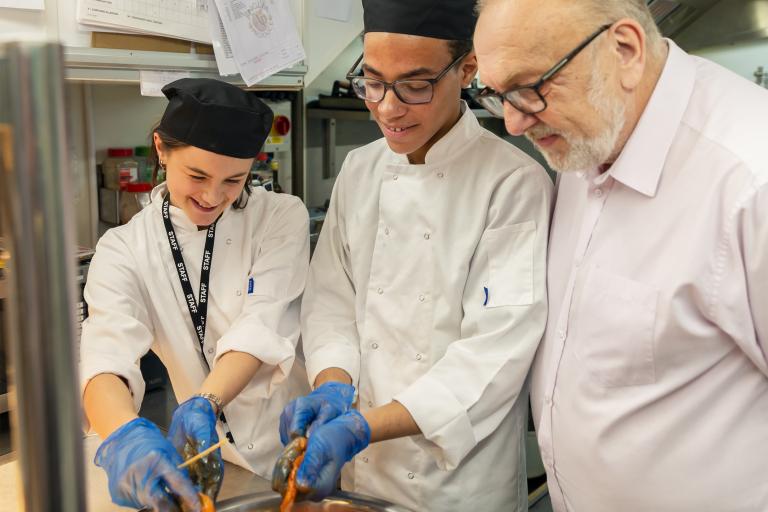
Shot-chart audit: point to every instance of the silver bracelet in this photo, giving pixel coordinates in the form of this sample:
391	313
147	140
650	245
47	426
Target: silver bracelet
215	400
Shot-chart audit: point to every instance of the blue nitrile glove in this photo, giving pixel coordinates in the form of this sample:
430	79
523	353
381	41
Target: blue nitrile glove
141	468
303	415
192	430
330	447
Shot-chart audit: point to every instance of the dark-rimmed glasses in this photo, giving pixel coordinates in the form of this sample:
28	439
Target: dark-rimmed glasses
413	91
528	98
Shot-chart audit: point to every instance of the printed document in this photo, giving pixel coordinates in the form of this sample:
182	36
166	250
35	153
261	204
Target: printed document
33	5
221	47
263	36
182	19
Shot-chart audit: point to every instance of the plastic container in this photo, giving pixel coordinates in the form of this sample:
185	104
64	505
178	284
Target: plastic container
133	198
119	168
141	154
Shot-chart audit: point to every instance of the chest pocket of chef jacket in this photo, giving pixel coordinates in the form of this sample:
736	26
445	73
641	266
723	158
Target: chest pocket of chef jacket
614	330
510	264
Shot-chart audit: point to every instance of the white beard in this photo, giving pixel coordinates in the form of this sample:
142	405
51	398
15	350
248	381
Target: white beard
586	153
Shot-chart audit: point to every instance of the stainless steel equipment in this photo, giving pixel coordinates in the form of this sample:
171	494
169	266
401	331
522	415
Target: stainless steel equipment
697	24
341	502
35	185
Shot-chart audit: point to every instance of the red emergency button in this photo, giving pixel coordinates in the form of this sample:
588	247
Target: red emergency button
281	125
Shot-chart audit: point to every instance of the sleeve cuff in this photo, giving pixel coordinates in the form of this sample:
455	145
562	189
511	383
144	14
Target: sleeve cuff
276	353
443	421
334	355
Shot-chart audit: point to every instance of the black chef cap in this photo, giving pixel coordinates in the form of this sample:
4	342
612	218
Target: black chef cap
441	19
216	116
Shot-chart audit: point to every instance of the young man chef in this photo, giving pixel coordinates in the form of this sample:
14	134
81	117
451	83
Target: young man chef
427	288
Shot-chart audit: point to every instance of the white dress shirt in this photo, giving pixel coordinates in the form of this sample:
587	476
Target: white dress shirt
650	389
396	297
136	304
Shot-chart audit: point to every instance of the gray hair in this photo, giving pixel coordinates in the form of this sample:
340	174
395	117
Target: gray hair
613	10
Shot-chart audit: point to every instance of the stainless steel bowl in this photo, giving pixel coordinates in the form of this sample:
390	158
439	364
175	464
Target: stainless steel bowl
340	502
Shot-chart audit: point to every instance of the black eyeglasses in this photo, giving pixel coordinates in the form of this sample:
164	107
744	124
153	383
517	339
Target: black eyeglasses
413	91
528	98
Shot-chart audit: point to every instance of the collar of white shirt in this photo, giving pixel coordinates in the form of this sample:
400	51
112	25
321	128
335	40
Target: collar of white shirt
641	162
452	143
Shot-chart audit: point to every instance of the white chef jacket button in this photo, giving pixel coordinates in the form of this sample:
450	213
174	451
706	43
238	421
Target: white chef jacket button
229	241
418	357
547	400
599	192
422	298
411	476
561	334
395	177
239	292
379	291
440	175
210	351
250	446
370	404
427	236
374	345
365	459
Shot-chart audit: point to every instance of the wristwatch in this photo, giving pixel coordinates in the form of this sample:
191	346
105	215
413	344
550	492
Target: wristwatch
216	402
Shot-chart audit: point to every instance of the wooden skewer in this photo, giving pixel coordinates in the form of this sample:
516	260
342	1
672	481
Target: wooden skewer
202	454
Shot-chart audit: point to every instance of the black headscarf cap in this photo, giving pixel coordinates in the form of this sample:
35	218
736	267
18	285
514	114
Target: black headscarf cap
440	19
216	116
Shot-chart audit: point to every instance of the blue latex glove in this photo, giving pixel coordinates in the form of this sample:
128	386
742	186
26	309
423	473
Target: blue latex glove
192	430
303	415
141	468
330	447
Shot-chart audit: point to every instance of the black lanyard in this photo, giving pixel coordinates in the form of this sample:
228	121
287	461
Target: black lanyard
197	308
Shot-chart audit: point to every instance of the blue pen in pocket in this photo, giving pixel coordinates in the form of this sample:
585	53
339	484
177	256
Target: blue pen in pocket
485	289
250	286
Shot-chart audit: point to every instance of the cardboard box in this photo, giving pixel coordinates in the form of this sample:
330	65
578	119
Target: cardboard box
142	42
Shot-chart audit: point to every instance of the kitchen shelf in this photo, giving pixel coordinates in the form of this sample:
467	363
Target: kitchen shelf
104	65
330	116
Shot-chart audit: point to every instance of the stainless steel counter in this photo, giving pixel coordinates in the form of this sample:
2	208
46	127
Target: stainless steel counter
237	481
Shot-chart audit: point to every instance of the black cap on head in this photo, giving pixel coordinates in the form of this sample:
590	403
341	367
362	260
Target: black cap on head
216	116
441	19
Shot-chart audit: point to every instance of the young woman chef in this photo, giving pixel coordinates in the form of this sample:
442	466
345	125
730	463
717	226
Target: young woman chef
208	276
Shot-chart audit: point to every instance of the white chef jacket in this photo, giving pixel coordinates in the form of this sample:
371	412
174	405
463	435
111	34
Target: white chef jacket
650	389
396	298
136	304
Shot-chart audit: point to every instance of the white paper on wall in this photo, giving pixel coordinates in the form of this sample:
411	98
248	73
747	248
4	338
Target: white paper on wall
222	50
263	36
182	19
152	82
32	5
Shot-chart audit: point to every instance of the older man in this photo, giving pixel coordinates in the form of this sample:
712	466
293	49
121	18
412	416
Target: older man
426	296
650	388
